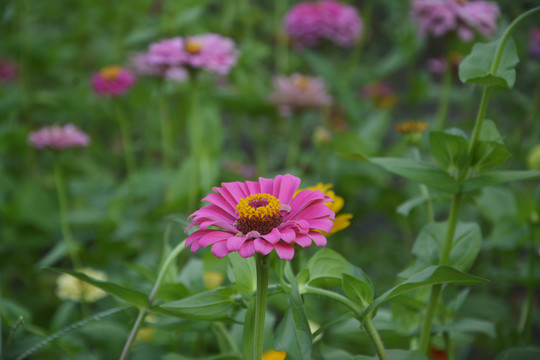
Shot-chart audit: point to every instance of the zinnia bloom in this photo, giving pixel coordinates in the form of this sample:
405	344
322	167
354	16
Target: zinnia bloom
260	216
309	22
211	52
274	355
342	221
439	17
534	42
112	81
299	92
58	137
381	94
8	71
412	127
71	288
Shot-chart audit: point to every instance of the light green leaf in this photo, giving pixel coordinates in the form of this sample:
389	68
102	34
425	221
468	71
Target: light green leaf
488	155
405	207
208	305
245	273
327	266
450	150
357	289
130	296
432	275
476	67
494	178
490	132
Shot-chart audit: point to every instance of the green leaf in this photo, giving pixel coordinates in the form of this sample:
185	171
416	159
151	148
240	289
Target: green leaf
466	244
327	266
357	289
405	207
421	172
476	67
130	296
520	353
449	150
432	275
488	155
245	273
248	337
494	178
293	334
490	132
208	305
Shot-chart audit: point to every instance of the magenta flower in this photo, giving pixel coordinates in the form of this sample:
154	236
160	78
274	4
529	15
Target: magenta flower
8	70
261	216
439	17
166	53
58	138
211	52
307	23
299	92
534	42
112	81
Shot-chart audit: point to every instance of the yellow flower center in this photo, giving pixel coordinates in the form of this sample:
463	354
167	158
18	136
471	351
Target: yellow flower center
193	47
258	212
412	127
110	72
301	82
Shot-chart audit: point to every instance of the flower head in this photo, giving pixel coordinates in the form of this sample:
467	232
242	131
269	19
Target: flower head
307	23
534	42
71	288
381	94
261	216
299	92
212	279
274	355
112	81
58	138
342	221
211	52
8	70
412	130
439	17
167	52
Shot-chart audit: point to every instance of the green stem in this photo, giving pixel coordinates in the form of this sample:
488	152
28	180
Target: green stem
448	346
480	116
143	311
424	189
126	141
64	221
374	336
308	290
166	133
263	271
442	110
525	323
225	334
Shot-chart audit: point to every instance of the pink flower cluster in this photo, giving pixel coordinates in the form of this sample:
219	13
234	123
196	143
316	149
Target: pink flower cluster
170	57
261	216
439	17
8	70
112	81
299	92
309	22
534	42
58	137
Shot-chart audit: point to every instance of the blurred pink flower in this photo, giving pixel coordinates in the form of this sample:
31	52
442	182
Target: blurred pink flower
58	137
261	216
439	17
534	42
112	81
8	70
437	66
211	52
299	92
168	52
309	22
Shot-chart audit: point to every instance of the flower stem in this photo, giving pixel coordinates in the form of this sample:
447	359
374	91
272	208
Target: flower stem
64	221
442	110
166	133
424	189
126	141
263	271
374	336
525	322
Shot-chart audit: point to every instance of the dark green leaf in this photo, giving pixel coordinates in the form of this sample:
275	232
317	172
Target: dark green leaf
449	150
430	276
293	334
494	178
245	273
213	304
520	353
476	67
488	155
358	290
130	296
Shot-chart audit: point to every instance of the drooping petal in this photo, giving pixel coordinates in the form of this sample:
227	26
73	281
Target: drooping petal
316	211
303	240
284	251
288	235
212	237
247	250
262	246
322	224
273	237
220	250
318	238
235	242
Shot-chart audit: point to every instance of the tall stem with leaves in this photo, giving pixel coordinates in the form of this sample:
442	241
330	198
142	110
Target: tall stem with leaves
263	272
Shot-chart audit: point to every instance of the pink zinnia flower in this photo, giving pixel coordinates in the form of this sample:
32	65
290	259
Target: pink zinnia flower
439	17
211	52
260	216
112	81
299	92
8	71
168	52
309	22
534	42
58	137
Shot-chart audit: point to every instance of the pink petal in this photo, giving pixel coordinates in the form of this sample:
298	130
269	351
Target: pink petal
237	189
267	185
220	250
284	251
247	250
316	211
213	236
272	237
262	246
289	185
195	236
321	224
254	187
303	240
235	242
213	212
318	238
305	198
218	223
220	201
226	195
288	235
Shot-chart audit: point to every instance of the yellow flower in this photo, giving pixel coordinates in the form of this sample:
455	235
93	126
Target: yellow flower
212	279
274	355
71	288
146	334
342	220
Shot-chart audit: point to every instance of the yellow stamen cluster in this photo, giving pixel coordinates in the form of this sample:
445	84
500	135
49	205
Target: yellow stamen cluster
301	82
193	47
110	72
412	127
260	206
